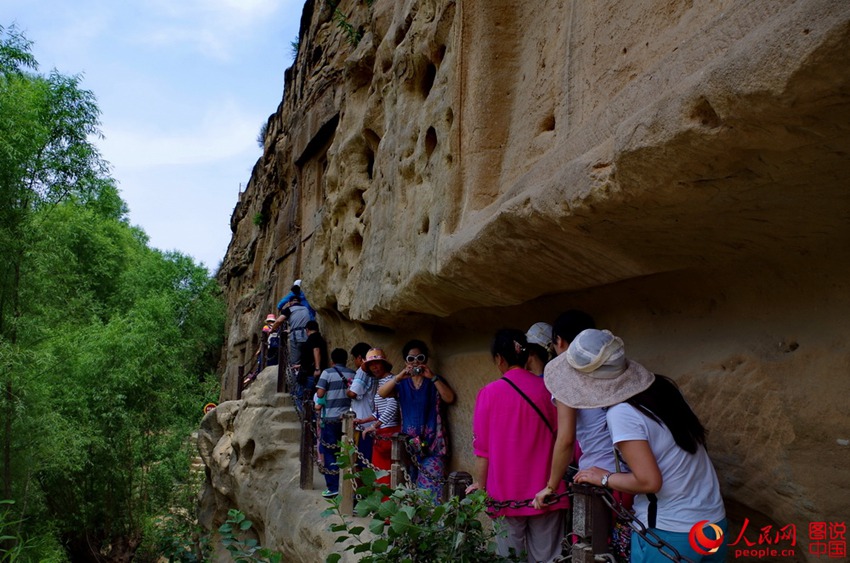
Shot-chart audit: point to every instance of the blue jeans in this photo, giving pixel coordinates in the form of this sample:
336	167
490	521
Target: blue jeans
642	552
305	392
331	433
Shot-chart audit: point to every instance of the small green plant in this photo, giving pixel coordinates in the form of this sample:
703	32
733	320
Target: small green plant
261	136
244	550
13	545
294	46
259	219
352	34
408	525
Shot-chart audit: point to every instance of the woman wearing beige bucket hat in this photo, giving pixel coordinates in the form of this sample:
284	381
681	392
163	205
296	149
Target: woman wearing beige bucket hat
658	436
386	412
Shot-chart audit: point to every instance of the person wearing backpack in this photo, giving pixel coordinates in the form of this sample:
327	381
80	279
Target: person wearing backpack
296	291
332	403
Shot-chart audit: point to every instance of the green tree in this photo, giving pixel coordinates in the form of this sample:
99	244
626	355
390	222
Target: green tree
103	340
45	158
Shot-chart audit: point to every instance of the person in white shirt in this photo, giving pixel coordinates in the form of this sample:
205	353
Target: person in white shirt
362	395
658	436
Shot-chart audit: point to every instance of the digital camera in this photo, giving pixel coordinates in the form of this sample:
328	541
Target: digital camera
418	370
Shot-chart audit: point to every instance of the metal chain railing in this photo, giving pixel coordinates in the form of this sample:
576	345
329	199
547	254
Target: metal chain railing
650	537
525	503
414	459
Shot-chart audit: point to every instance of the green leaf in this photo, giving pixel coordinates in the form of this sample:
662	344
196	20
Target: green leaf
333	558
376	526
363	547
356	530
245	524
380	546
387	509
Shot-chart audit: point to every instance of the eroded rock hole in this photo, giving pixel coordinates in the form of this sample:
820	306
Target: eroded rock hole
401	31
356	242
705	114
372	138
428	79
430	141
426	226
370	162
316	55
440	54
361	204
547	123
248	450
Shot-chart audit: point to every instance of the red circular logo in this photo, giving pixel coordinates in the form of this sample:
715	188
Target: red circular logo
208	407
701	543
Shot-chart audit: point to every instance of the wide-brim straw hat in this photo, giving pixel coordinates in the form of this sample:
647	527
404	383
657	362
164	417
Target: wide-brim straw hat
376	355
594	372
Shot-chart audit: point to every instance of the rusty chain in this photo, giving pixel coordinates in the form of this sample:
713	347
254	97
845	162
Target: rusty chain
525	503
414	459
651	538
639	528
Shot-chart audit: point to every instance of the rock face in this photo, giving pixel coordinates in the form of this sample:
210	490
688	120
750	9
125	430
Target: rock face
677	169
251	450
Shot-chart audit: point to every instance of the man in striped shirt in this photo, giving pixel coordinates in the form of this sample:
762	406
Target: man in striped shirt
334	402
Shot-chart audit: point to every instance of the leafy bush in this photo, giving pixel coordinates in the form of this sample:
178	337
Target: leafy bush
243	549
177	536
409	526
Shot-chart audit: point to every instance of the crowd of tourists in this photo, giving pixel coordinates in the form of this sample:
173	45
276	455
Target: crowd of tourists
570	407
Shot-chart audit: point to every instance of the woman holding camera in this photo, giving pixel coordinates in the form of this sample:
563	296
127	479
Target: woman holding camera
421	394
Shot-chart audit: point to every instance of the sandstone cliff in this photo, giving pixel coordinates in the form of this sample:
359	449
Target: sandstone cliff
677	169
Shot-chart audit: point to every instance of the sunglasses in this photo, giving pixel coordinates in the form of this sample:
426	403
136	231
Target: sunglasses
417	358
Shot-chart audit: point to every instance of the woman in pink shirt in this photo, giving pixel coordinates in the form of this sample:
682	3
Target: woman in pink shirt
514	429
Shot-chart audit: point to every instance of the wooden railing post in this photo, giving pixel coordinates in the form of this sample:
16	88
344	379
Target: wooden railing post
397	468
264	347
240	378
601	525
458	482
281	375
346	476
308	441
591	523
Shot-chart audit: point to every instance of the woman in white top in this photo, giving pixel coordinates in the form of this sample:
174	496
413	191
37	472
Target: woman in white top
659	437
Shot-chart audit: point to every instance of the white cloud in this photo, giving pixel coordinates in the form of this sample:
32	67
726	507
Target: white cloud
226	130
214	28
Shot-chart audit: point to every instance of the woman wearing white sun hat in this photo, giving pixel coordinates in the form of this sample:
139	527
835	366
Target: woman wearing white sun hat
658	436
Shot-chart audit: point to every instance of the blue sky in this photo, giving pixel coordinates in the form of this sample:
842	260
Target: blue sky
183	87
